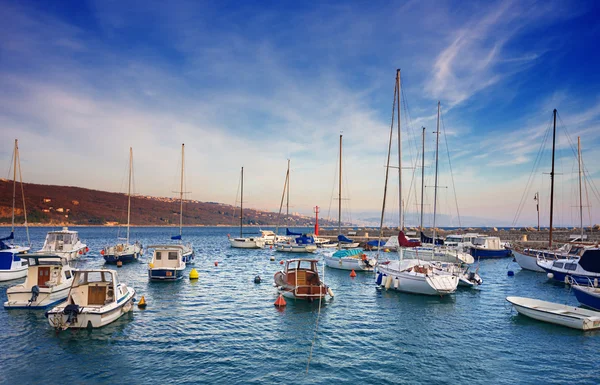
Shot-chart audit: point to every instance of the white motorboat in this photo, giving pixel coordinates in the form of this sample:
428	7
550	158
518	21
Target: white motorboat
11	264
124	252
48	281
300	280
415	276
461	242
353	259
466	278
64	243
527	258
581	268
167	263
96	299
569	316
299	243
270	238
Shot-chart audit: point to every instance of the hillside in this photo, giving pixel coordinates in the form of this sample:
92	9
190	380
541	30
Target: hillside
65	205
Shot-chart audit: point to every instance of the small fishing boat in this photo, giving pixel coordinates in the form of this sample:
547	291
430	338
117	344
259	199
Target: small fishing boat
167	263
300	280
270	238
580	269
242	242
351	259
346	243
325	243
527	258
569	316
48	281
460	241
489	247
64	243
96	298
124	252
466	278
11	264
588	296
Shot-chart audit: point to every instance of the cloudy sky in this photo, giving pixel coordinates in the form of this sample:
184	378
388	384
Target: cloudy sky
252	84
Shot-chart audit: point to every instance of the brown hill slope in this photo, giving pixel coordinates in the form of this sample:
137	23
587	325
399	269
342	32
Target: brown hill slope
67	205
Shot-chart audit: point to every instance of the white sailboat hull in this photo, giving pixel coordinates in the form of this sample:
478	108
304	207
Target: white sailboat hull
397	277
569	316
527	262
348	263
291	248
15	272
442	255
247	243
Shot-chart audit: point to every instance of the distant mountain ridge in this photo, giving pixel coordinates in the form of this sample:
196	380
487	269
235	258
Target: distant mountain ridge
67	205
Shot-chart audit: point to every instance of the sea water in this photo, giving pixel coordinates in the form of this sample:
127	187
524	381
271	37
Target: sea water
224	328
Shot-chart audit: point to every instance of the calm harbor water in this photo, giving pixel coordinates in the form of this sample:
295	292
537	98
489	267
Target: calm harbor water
224	328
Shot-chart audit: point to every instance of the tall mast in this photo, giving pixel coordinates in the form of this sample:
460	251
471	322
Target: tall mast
422	177
437	142
18	157
340	191
181	190
129	193
287	201
285	186
580	193
12	230
400	208
537	207
242	204
552	181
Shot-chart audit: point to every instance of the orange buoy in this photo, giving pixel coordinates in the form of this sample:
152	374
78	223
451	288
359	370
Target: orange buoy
80	252
271	247
119	263
102	251
280	301
281	262
353	273
216	263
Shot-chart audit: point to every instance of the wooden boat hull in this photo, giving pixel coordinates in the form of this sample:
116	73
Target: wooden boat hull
569	316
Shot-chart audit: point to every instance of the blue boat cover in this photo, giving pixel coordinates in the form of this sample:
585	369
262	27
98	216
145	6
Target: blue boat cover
346	253
176	237
288	232
342	238
305	240
376	243
426	239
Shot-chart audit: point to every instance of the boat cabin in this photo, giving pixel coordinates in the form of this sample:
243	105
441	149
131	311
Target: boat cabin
167	257
45	270
94	288
303	275
492	243
460	239
62	240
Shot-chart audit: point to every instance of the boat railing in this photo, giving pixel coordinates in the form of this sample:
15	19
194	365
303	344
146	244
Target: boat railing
573	282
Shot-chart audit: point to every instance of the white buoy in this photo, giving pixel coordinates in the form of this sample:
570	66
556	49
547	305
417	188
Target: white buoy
396	283
330	292
550	275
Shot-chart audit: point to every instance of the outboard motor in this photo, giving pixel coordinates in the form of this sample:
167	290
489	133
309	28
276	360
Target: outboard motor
35	292
71	311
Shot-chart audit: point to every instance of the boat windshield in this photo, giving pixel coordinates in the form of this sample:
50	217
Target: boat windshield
66	238
456	239
87	277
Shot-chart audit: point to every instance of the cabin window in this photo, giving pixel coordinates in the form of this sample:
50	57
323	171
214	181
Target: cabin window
68	274
558	265
172	255
107	277
305	265
570	266
158	255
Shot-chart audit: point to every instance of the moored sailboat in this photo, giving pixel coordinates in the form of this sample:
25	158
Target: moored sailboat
187	249
242	242
124	252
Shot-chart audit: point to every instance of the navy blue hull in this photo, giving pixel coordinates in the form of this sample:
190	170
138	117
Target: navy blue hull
587	299
165	274
123	258
487	253
560	277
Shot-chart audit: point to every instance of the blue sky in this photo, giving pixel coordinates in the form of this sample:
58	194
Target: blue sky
253	84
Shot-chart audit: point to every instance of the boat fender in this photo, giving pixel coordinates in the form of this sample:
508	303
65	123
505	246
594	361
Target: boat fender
388	282
35	291
550	275
396	283
567	281
257	279
330	292
595	282
510	274
379	279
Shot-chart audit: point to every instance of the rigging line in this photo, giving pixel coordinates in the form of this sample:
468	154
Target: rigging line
587	198
387	170
317	323
451	173
10	164
335	176
534	170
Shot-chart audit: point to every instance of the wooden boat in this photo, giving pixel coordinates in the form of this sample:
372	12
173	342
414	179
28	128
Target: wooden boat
95	299
569	316
300	280
48	281
124	252
167	263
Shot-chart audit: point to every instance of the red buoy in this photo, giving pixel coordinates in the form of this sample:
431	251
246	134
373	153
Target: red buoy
281	262
216	263
80	252
102	251
279	302
352	273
